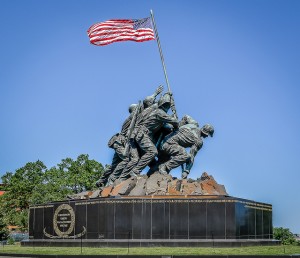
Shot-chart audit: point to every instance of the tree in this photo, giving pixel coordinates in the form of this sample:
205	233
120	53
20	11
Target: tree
53	187
81	174
284	235
3	225
20	188
35	184
22	184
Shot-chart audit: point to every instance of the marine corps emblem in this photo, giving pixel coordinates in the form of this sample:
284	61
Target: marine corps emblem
64	223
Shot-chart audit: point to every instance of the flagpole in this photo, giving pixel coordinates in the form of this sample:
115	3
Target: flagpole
162	57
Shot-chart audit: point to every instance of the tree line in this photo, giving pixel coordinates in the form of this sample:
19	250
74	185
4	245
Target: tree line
35	184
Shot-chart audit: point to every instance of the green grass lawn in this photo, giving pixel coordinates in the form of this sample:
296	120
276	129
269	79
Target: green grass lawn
260	250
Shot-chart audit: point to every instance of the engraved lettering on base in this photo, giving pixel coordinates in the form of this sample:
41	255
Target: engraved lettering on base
64	223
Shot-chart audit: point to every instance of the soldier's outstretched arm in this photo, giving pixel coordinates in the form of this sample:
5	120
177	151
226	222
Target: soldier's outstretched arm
159	90
150	100
193	152
163	116
120	149
190	163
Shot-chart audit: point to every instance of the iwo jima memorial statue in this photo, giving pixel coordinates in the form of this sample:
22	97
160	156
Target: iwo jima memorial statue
131	208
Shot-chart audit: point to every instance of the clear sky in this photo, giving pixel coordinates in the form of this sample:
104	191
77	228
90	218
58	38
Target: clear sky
234	64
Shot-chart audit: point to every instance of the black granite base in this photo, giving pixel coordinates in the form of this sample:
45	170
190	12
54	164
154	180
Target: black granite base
217	243
152	221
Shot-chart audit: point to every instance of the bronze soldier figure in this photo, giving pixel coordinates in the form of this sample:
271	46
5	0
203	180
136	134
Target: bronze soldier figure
206	130
173	146
150	122
118	143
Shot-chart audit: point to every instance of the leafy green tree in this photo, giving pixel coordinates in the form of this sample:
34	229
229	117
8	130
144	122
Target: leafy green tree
6	178
22	184
81	174
53	187
35	184
284	235
20	187
3	225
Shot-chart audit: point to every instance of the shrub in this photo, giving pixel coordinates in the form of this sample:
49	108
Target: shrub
10	241
284	235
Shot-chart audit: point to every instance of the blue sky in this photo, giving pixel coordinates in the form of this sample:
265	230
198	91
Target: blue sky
234	64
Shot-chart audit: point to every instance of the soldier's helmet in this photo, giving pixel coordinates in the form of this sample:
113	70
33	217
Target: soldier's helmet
208	130
132	107
165	99
186	119
148	101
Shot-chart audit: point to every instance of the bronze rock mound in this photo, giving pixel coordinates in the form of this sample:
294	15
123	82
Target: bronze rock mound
158	184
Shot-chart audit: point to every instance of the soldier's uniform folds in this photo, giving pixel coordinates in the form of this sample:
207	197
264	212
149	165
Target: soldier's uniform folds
119	161
188	136
146	130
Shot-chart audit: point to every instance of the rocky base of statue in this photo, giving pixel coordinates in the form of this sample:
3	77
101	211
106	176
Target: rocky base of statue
157	184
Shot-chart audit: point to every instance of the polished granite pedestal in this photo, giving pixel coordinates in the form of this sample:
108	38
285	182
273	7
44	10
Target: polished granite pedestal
152	221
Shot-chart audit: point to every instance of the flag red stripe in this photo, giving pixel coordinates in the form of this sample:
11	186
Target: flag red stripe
118	40
108	36
118	29
96	39
100	27
106	42
108	23
112	26
115	32
124	36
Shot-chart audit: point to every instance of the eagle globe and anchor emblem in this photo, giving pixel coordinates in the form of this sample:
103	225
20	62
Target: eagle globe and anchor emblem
64	223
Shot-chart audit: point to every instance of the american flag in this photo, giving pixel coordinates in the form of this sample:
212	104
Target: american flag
115	30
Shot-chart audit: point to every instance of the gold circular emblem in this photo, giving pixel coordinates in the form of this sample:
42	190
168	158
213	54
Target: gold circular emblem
64	220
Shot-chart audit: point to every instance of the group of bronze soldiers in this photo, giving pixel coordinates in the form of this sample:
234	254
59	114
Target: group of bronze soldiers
151	137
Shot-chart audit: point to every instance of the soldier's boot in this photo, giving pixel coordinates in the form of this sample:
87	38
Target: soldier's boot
111	179
100	183
185	174
163	169
153	168
134	173
109	182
